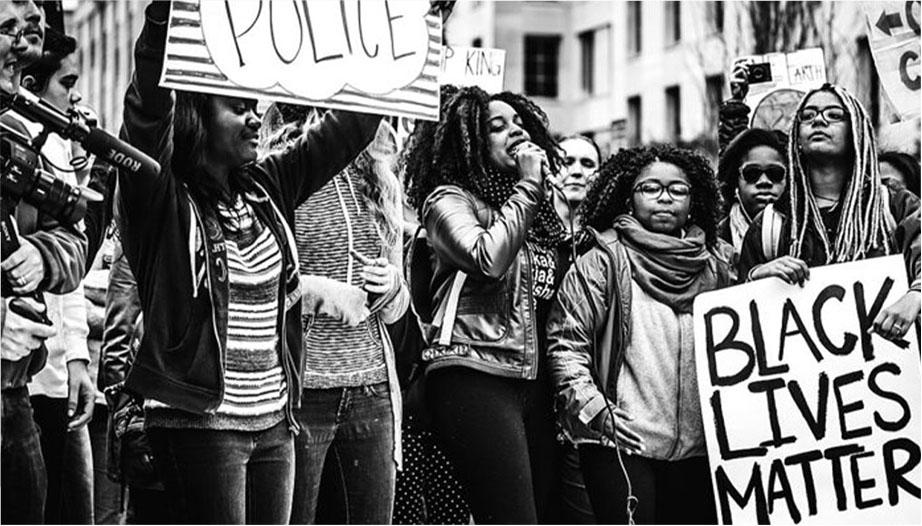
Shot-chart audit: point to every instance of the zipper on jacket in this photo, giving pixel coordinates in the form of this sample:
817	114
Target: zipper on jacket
533	311
214	321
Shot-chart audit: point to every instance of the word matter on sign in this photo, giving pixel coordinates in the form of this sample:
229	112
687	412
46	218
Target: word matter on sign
313	49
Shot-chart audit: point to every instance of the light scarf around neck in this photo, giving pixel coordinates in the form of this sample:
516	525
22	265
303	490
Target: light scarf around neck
739	225
670	269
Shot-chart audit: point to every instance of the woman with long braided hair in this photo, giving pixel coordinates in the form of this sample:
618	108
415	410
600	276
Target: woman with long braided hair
835	208
621	346
477	180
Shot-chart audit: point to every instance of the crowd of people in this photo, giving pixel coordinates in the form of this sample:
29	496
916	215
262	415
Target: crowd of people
298	319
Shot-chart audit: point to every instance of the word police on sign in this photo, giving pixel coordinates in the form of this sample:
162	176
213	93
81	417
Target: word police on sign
893	34
810	418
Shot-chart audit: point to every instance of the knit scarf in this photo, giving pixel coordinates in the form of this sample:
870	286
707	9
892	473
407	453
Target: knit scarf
544	236
672	270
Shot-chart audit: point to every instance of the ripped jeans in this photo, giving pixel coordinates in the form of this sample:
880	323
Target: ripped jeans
344	461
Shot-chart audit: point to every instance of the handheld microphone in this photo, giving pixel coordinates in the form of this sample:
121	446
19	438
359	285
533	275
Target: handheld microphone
94	140
550	180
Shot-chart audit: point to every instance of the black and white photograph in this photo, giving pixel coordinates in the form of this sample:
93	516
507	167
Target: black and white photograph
460	262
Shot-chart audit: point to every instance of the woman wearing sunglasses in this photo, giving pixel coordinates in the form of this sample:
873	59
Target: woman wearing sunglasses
835	208
752	174
621	345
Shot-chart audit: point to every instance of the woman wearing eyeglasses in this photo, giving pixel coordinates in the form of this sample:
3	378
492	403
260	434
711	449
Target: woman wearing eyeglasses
621	349
835	208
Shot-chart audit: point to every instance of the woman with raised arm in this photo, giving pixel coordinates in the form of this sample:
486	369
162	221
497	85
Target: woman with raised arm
210	241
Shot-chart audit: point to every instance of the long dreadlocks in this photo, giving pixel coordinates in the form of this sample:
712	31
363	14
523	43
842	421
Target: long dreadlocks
454	149
862	223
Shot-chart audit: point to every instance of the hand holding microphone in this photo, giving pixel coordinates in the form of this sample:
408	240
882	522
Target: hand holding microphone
533	164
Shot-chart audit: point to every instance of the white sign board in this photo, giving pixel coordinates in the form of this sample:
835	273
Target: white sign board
893	34
473	66
808	417
376	57
777	82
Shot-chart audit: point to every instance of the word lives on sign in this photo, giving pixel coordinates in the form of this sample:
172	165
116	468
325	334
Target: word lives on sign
809	417
893	35
361	55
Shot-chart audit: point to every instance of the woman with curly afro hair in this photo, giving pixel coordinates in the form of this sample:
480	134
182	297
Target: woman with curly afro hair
482	286
621	349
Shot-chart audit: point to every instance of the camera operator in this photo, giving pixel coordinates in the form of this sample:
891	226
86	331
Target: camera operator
50	258
62	393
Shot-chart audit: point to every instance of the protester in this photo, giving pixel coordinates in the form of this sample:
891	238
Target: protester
900	168
835	208
348	236
209	240
626	383
50	258
62	394
493	233
581	161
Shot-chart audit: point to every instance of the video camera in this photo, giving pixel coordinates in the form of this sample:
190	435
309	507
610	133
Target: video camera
23	179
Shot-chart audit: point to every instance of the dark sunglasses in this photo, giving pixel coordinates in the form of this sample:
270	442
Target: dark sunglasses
753	172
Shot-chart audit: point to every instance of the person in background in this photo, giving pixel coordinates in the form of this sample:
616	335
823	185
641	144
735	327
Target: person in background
63	393
580	167
478	183
349	240
900	168
632	407
835	208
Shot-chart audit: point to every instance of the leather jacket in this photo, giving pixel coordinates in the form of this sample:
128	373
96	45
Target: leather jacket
494	330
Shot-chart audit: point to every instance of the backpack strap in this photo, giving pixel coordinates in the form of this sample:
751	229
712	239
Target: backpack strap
449	308
889	220
771	232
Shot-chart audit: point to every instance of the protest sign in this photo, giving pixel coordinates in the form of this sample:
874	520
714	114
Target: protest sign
777	82
809	418
893	35
375	57
473	66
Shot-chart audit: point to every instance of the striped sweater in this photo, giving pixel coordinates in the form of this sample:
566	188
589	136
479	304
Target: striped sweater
255	391
334	220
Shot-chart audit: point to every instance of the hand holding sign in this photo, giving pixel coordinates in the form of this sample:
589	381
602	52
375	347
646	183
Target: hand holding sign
313	49
895	321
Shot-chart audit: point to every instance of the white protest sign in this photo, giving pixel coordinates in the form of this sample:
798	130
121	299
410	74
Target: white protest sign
809	418
376	57
777	82
473	66
893	35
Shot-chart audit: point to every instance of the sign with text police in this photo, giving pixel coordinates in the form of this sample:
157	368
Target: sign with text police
810	418
371	56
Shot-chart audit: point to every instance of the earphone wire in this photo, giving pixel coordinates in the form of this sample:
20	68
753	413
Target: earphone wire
632	500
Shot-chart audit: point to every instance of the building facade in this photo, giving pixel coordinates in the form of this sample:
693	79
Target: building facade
623	72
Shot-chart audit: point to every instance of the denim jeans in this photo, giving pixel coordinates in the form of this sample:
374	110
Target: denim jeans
23	482
68	463
346	445
108	498
226	477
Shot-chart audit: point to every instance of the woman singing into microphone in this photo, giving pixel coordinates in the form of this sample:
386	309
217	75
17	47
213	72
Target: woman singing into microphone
477	178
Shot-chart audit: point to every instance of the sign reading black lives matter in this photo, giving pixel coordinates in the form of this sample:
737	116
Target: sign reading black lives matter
369	56
808	417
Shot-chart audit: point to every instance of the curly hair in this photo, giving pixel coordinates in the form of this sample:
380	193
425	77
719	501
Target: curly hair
611	193
454	150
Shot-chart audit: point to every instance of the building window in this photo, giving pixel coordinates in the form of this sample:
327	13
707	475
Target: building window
634	33
714	85
673	113
715	16
477	42
587	61
673	22
541	65
634	120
